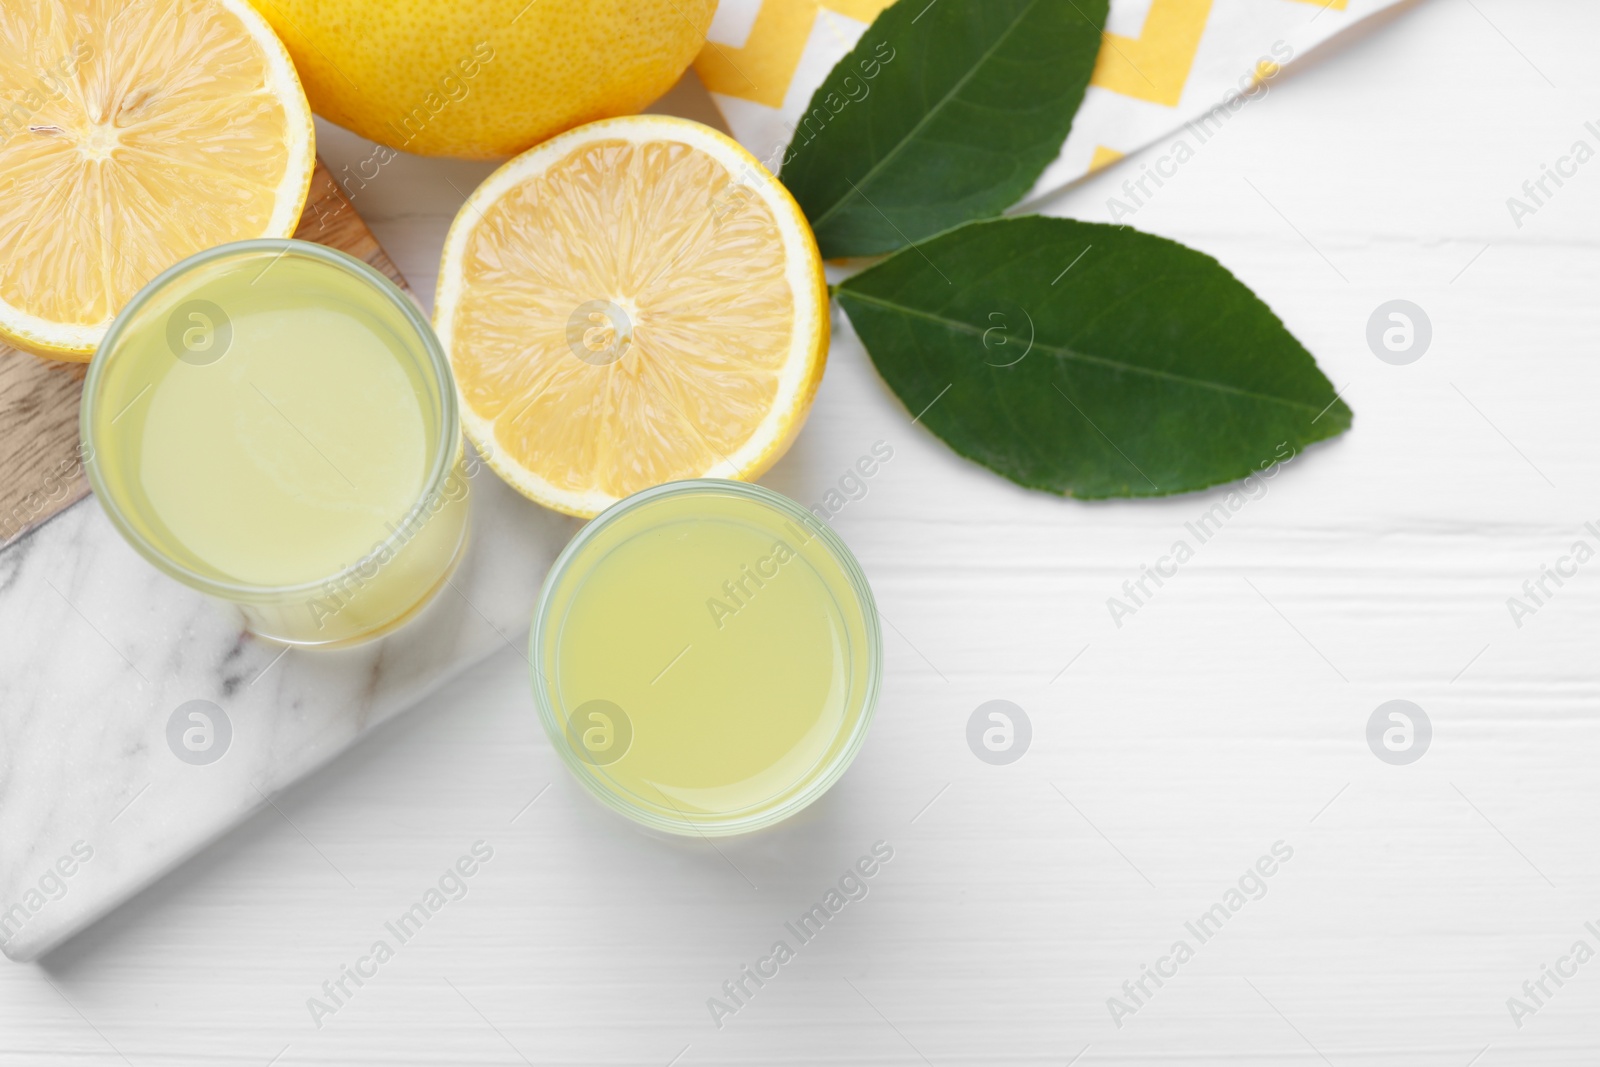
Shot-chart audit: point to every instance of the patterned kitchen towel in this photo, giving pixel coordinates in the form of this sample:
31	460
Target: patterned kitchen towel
1163	63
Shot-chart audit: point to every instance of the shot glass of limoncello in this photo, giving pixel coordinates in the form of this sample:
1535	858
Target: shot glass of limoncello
274	423
706	657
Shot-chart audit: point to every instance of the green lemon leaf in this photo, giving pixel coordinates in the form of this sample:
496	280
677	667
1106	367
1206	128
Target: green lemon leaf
1090	360
944	112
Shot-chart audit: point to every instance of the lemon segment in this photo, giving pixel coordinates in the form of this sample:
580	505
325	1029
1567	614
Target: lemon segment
633	302
132	135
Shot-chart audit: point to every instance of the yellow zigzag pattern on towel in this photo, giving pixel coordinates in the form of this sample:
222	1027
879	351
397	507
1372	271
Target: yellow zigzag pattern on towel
761	70
1153	66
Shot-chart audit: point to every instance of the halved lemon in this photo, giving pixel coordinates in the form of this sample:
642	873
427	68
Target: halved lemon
134	133
632	302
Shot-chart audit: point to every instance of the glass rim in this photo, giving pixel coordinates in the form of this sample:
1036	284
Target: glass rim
797	799
445	448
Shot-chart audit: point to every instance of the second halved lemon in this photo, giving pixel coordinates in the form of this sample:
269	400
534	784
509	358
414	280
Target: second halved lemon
633	302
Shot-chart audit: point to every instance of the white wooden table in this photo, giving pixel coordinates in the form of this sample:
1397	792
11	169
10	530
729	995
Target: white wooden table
1169	754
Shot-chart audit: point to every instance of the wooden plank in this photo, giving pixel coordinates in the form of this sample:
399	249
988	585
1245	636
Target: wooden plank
40	472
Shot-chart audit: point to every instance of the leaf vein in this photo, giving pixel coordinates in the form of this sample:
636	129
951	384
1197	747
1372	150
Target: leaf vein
1064	352
928	114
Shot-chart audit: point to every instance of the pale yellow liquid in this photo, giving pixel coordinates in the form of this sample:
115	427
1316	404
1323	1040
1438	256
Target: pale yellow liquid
292	456
736	647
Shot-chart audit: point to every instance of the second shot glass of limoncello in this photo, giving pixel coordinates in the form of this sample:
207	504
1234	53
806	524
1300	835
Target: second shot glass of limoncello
274	423
706	657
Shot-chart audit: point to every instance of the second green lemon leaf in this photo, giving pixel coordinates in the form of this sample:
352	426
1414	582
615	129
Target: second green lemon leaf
1090	360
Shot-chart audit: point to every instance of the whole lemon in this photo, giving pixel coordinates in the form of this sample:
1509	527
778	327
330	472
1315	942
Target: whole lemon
480	79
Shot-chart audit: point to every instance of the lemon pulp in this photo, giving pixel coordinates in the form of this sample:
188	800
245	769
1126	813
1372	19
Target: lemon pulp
633	302
131	136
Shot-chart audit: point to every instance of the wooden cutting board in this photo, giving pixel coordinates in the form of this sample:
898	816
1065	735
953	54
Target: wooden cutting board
40	475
